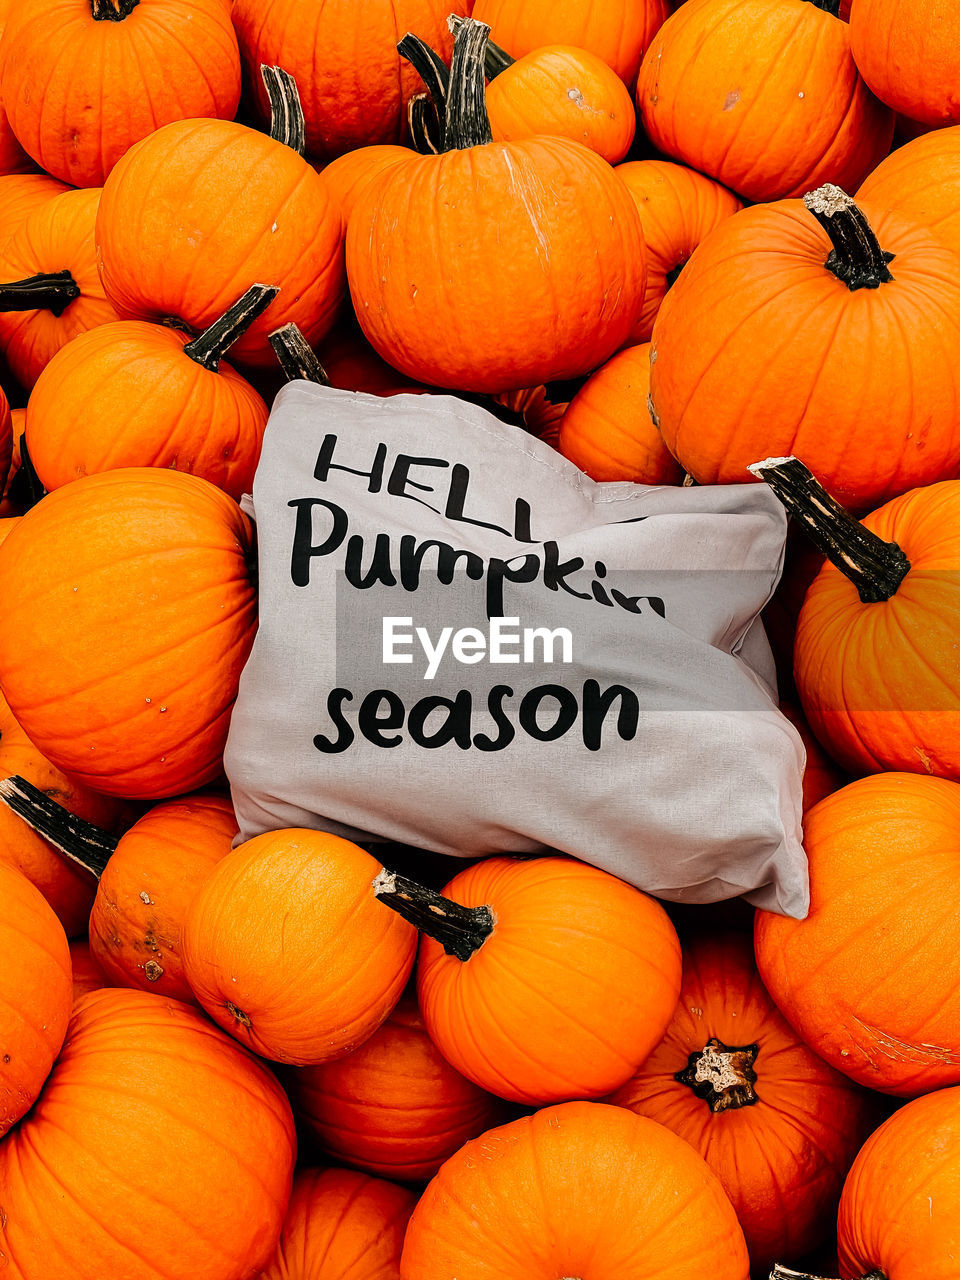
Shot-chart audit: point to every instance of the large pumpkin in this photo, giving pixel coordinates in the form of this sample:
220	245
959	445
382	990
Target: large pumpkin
555	273
20	194
394	1106
575	1190
776	1125
350	175
158	1149
82	80
288	949
871	978
126	615
36	992
778	325
922	181
541	980
909	55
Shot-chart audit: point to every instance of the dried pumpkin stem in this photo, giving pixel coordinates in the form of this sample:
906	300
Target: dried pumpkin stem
781	1272
468	124
722	1075
209	348
424	125
432	69
461	931
495	59
296	357
287	123
80	841
856	258
48	291
112	10
828	6
876	568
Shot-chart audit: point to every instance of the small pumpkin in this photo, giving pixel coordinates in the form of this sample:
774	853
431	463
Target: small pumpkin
909	55
921	181
541	980
353	365
87	974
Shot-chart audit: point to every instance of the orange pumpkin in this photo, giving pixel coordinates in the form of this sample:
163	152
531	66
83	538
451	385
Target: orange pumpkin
13	159
541	411
678	208
10	505
909	55
871	978
821	777
87	974
36	993
299	976
921	181
157	1149
84	79
6	441
341	1225
541	980
352	364
607	430
776	1125
778	324
350	175
126	615
394	1106
762	95
574	1190
39	315
133	394
557	234
20	194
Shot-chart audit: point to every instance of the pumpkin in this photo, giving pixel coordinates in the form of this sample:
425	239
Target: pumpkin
20	194
678	208
350	175
202	209
566	92
10	506
36	992
580	1189
776	1125
83	80
157	1149
607	430
762	95
871	978
556	232
541	409
6	441
821	777
53	291
341	1225
134	394
13	159
394	1106
126	615
909	55
87	974
353	365
778	325
921	181
617	31
300	975
541	980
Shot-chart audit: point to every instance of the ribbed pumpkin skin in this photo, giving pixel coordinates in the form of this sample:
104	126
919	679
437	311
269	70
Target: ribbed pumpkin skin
36	992
13	159
125	395
563	257
20	194
67	888
871	979
908	51
350	175
607	430
568	93
578	1190
678	208
126	615
921	181
147	887
909	1164
87	974
762	95
80	91
287	948
757	345
394	1106
617	31
781	1160
158	1149
56	236
570	992
878	681
202	209
341	1226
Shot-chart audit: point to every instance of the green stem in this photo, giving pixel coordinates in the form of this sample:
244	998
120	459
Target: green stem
296	357
80	841
209	348
467	124
287	124
856	258
461	931
48	291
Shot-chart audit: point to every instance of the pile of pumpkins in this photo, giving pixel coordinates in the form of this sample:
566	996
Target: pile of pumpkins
711	241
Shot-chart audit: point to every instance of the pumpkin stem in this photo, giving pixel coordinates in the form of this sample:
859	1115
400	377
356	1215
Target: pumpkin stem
424	125
722	1075
287	124
856	257
461	931
51	291
209	348
296	357
781	1272
112	10
74	837
432	69
876	568
495	59
468	124
828	6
